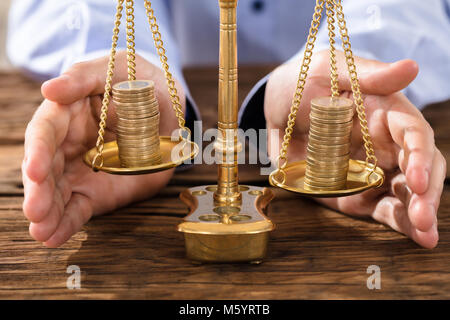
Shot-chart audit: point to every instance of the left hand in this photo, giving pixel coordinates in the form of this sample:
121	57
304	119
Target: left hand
403	141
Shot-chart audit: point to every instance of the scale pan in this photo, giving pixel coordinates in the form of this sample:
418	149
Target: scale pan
356	180
111	162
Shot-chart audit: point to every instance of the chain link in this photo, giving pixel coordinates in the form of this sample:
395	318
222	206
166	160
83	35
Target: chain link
282	158
98	159
131	51
333	68
360	108
333	8
97	162
176	105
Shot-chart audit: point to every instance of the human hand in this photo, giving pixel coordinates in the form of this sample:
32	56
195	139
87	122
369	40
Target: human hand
61	192
403	141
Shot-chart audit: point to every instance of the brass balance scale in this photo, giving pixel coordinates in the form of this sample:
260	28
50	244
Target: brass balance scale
226	222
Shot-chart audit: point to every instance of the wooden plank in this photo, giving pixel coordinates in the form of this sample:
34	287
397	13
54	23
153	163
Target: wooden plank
135	252
19	98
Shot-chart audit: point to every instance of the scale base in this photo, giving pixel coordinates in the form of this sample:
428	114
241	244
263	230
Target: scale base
224	233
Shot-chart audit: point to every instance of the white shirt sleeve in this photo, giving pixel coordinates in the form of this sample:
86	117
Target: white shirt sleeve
46	37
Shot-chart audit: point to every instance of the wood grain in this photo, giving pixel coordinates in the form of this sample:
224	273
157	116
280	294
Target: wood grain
135	252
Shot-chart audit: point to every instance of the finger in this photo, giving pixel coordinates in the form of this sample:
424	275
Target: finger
38	198
392	212
88	79
77	212
81	80
376	77
44	133
413	134
422	210
42	230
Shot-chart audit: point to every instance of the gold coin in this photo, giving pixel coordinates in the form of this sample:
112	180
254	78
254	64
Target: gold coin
334	112
136	147
322	165
328	109
139	154
136	104
132	114
325	182
145	142
125	109
129	160
326	172
131	95
331	126
332	102
332	121
136	129
328	140
155	118
329	170
133	159
334	153
134	86
126	127
134	100
137	116
138	138
330	133
330	117
327	185
137	133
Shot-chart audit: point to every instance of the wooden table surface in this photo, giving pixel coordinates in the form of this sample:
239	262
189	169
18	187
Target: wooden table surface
135	252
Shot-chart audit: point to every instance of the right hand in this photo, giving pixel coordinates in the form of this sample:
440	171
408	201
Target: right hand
61	192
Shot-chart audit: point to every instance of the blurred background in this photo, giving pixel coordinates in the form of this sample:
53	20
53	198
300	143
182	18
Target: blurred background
4	6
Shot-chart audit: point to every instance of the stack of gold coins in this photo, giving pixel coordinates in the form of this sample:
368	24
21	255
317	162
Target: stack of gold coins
328	150
138	123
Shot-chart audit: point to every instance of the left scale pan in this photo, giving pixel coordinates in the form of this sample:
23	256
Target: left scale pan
173	153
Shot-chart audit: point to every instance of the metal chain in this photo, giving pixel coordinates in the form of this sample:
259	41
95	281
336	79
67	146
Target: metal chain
333	64
300	84
176	105
98	159
360	108
131	51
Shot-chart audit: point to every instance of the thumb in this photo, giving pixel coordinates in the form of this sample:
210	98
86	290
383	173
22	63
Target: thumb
83	79
379	78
